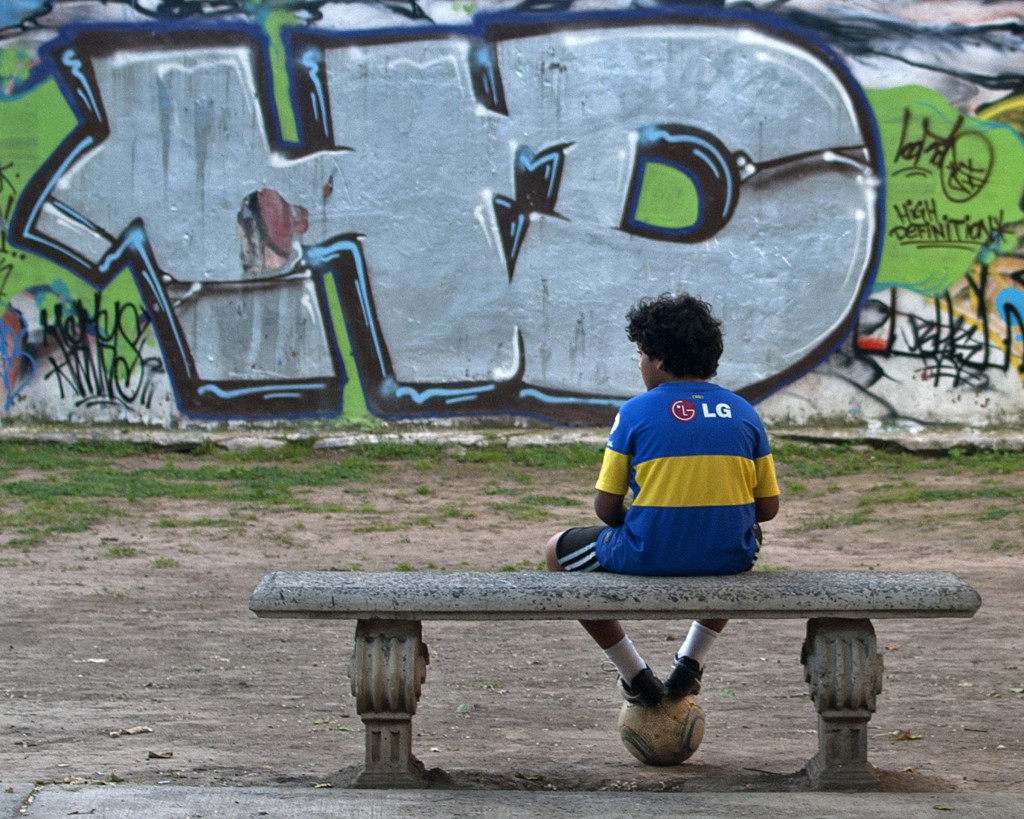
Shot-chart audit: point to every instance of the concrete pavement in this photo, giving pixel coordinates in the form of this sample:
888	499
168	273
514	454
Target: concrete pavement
125	801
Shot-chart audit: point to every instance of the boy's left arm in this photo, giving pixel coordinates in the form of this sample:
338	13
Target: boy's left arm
609	508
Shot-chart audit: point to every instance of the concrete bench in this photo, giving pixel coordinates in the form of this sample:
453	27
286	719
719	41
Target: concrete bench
841	663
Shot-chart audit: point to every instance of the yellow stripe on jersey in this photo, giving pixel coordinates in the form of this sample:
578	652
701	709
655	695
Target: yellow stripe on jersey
767	485
614	476
695	480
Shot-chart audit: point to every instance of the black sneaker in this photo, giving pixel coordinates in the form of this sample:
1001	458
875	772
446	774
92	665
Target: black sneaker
644	689
684	678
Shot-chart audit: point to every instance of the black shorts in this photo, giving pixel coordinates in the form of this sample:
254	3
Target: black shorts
575	550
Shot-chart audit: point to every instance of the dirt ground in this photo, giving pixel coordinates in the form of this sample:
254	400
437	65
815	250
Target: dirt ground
151	669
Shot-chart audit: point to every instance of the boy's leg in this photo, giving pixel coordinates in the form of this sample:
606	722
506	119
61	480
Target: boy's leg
688	667
563	552
701	637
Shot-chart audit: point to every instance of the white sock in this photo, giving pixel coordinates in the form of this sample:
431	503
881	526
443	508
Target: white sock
626	659
697	643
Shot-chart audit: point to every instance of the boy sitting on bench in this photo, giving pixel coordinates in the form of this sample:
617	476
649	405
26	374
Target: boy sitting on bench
696	458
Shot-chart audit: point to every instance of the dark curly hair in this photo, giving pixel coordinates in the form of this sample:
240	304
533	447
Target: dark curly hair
680	330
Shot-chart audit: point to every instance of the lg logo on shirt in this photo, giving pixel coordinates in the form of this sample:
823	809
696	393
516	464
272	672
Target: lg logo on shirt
683	410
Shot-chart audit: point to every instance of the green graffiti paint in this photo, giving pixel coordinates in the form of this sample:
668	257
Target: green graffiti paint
274	22
668	198
353	408
32	125
953	187
15	67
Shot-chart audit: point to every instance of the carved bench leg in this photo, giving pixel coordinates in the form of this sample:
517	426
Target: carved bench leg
844	671
389	664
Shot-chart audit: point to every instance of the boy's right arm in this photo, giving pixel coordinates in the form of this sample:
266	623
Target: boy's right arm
610	508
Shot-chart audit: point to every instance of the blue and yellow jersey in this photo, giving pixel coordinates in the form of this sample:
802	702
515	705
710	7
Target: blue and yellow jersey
695	456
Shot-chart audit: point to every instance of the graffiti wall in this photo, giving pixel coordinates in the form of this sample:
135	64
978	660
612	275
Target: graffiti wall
288	210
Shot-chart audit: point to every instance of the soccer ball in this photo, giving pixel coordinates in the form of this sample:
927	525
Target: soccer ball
668	733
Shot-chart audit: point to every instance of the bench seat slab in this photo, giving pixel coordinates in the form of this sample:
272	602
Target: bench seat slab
602	595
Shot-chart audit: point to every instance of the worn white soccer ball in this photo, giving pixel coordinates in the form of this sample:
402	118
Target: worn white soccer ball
668	733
